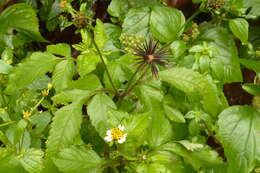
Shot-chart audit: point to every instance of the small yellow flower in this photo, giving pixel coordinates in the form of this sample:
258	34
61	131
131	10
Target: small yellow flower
116	134
63	4
50	86
45	92
26	114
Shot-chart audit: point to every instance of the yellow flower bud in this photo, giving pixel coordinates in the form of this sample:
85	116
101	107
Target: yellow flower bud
26	114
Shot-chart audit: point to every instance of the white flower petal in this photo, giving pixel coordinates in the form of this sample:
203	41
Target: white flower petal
109	133
108	138
121	127
123	139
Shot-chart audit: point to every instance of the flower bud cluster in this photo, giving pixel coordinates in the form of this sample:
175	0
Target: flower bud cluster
130	41
216	4
193	33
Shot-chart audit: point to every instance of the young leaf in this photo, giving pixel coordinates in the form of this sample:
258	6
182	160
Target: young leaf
62	49
99	33
251	88
89	82
86	63
63	74
22	18
32	160
238	133
193	83
34	67
166	23
76	159
65	127
239	27
173	114
98	112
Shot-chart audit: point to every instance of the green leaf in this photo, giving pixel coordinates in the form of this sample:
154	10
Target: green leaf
5	68
41	121
62	75
174	114
224	62
62	49
88	82
178	47
87	63
238	133
98	112
253	89
65	127
137	21
32	160
70	96
117	8
22	18
166	23
99	33
75	159
15	132
203	158
34	67
251	64
239	27
193	83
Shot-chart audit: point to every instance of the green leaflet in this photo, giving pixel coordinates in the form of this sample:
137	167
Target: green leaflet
76	159
32	160
193	83
5	68
166	23
22	18
98	112
239	27
65	127
238	128
34	67
62	75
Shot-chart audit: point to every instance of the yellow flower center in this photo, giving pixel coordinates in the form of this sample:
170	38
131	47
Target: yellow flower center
117	134
26	114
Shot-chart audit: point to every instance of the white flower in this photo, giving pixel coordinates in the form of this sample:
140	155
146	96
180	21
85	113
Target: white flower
116	134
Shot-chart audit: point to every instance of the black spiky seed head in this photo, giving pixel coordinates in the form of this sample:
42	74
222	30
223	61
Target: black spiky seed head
150	55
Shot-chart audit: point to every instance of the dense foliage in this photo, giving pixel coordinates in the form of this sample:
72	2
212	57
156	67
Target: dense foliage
131	86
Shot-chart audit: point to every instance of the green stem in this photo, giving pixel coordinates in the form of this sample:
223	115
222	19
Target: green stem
7	123
190	19
40	101
103	61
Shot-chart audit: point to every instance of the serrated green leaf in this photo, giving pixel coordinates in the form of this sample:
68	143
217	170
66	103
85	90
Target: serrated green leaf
62	49
89	82
70	96
224	62
22	18
239	27
237	132
34	67
178	47
137	21
99	34
98	112
193	83
203	158
62	75
65	127
117	8
80	160
166	23
87	63
32	160
41	121
174	114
